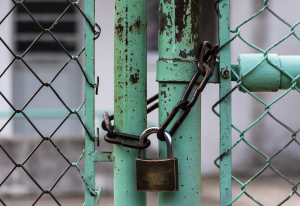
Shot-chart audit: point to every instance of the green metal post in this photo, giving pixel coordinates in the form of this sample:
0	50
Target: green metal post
225	106
179	42
89	101
130	91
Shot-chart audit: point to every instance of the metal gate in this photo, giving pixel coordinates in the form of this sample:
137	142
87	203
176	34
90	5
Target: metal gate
179	60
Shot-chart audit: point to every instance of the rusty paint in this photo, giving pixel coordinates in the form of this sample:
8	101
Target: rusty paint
137	24
119	30
181	7
163	94
165	20
184	55
134	78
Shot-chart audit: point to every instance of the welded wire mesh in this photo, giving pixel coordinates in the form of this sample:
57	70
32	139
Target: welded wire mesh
71	57
242	132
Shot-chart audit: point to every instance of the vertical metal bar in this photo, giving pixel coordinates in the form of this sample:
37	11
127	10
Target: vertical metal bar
130	91
225	106
179	42
89	101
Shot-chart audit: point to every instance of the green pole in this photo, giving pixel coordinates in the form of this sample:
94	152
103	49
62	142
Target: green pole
130	91
179	42
89	101
225	106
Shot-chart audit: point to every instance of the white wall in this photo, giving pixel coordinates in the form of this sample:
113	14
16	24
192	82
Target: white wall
6	58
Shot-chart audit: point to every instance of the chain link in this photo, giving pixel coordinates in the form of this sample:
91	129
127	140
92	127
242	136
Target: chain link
242	133
96	30
207	54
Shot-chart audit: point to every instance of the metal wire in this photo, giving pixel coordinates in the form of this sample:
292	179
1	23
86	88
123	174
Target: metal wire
242	133
96	30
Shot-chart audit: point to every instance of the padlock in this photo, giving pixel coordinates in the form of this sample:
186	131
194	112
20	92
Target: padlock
156	174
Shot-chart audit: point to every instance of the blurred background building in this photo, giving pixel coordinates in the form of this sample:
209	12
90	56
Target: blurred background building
18	84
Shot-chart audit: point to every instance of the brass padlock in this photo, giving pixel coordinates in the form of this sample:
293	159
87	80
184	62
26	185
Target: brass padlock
156	174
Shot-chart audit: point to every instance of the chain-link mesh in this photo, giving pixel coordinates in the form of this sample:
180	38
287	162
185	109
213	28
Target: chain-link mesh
240	78
96	30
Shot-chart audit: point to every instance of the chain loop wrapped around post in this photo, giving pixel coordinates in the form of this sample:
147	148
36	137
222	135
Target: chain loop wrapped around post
111	136
207	72
208	55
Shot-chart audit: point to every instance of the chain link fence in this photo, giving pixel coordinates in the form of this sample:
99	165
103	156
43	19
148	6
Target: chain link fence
240	78
71	111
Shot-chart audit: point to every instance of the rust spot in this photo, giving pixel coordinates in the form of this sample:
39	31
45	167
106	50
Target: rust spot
193	52
224	5
180	18
170	41
163	20
119	31
137	24
183	10
182	54
126	58
163	93
130	28
126	9
120	20
164	85
134	78
126	40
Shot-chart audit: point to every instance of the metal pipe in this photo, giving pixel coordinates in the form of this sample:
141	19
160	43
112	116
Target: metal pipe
267	77
225	106
179	42
89	101
130	92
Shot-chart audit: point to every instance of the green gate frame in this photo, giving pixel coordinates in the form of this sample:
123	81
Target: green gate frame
225	106
89	101
178	46
130	95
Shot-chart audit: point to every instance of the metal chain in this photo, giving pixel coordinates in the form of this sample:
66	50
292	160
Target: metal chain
111	136
208	55
184	104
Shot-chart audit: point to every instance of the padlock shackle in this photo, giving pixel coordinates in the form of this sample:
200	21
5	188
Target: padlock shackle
151	130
